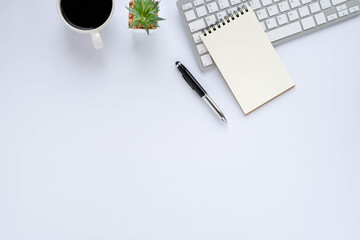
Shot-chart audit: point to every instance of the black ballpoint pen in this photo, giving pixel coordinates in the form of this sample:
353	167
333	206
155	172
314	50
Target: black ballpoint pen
190	79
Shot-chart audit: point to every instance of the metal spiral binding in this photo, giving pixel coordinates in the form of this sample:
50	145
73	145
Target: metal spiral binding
227	19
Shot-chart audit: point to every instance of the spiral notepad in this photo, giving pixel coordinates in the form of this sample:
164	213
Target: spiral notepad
246	59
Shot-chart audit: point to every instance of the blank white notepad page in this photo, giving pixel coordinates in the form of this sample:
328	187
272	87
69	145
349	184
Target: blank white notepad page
247	61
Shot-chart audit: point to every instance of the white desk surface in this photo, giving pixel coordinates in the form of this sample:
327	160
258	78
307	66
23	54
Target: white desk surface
113	144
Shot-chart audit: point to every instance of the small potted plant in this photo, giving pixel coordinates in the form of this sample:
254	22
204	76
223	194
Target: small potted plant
143	14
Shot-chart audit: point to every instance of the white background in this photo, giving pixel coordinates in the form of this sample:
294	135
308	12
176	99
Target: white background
113	144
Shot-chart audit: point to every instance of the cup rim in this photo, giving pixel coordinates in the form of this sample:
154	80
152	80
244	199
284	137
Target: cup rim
95	30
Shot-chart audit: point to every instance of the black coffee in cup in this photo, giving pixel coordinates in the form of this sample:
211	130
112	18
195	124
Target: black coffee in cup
86	14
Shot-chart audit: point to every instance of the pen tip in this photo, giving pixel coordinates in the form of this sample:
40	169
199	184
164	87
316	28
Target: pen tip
177	63
224	119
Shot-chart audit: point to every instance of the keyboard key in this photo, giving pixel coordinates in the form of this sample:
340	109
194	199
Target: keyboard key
354	9
198	2
314	7
201	11
295	3
201	48
210	20
197	25
284	6
284	31
305	1
341	7
223	4
231	10
255	4
190	15
212	7
208	0
343	13
271	23
221	15
266	2
272	10
282	19
186	6
336	2
320	18
261	14
206	60
325	4
308	22
332	17
196	37
304	11
234	2
293	15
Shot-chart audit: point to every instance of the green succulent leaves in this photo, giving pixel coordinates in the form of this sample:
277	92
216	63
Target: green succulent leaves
145	13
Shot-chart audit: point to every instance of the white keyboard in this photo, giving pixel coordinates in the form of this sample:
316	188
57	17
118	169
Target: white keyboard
282	20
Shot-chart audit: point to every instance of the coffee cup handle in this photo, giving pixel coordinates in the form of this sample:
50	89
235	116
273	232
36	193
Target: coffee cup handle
97	40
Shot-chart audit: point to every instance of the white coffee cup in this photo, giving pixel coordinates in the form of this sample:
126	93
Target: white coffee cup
95	33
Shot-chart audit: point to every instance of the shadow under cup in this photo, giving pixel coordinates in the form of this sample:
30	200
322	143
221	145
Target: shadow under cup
86	14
